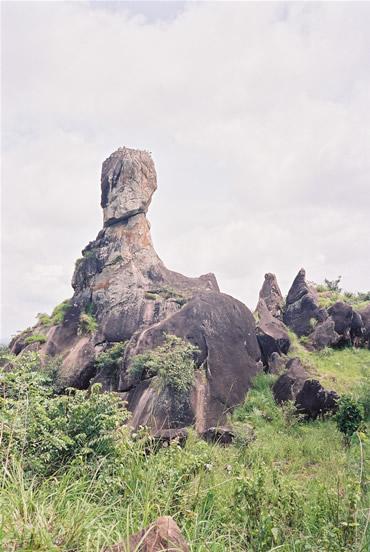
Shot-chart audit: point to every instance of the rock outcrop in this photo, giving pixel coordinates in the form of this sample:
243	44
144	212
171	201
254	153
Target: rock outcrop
272	333
163	535
124	293
272	296
365	317
308	395
324	335
302	311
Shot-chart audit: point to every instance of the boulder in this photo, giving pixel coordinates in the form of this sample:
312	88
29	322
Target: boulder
270	293
277	363
357	330
324	335
309	396
163	535
220	435
271	332
302	311
342	314
365	317
164	437
222	329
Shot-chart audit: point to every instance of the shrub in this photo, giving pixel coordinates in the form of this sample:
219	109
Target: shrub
172	363
333	285
349	417
166	293
48	431
107	361
58	314
87	324
35	338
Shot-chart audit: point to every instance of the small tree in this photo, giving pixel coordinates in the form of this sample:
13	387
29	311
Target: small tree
349	417
333	285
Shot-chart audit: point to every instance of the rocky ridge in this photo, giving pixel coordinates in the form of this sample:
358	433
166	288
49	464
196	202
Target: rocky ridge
126	302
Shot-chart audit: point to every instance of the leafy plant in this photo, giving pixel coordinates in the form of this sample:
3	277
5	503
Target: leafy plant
35	338
110	357
59	312
87	324
349	417
172	363
333	285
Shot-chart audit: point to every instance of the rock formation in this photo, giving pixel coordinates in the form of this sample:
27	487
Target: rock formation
302	311
272	296
308	395
272	333
163	535
124	293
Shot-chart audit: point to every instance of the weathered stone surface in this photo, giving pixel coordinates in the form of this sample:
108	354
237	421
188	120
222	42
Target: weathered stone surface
222	328
324	335
164	437
123	287
272	333
272	296
365	317
163	535
277	363
357	330
342	314
302	310
128	181
220	435
310	398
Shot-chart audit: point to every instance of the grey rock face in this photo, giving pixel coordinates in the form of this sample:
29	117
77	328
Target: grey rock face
128	181
270	293
272	333
365	317
309	396
222	329
324	335
302	310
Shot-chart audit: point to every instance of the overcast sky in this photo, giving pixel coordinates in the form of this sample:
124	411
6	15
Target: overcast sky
257	115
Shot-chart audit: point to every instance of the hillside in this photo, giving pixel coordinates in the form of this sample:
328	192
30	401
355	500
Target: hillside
283	484
150	393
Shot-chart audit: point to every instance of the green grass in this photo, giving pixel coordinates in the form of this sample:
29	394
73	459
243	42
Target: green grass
343	370
294	488
35	338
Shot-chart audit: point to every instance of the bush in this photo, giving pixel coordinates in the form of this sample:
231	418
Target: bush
48	432
172	362
109	358
58	314
87	324
333	285
35	338
349	417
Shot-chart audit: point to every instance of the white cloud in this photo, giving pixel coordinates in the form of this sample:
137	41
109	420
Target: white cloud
257	116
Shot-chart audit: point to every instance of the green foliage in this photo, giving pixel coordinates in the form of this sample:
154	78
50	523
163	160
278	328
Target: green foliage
172	363
166	293
74	479
330	293
333	285
49	431
35	338
57	316
349	417
87	324
117	259
109	358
